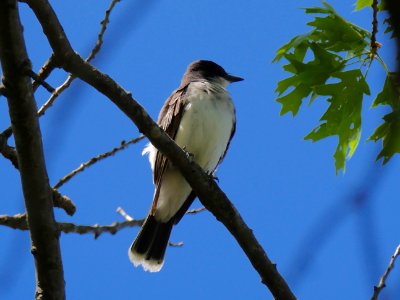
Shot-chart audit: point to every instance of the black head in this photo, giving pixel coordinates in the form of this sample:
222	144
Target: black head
206	69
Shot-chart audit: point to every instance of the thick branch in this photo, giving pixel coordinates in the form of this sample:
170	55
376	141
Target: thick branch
207	190
37	192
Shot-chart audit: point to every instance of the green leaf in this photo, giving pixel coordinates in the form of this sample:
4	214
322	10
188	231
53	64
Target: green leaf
307	76
360	4
292	101
299	41
390	92
343	116
389	133
336	34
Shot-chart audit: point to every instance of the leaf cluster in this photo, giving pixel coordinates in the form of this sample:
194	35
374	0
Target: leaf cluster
326	63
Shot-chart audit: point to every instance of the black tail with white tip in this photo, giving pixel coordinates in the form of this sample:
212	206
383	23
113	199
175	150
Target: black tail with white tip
149	247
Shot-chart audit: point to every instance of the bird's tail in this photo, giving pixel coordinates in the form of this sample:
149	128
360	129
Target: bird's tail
149	247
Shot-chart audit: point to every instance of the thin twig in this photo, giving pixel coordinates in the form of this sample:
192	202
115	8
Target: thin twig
55	95
177	244
195	210
103	29
374	44
7	151
45	71
95	159
382	281
124	214
41	81
62	201
96	229
91	56
19	222
15	222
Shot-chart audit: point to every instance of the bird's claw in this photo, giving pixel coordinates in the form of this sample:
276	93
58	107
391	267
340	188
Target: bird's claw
213	177
189	155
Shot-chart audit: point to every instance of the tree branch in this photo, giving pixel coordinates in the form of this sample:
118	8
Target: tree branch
373	44
41	81
62	201
19	222
95	159
90	57
37	192
45	71
206	189
103	29
382	281
7	151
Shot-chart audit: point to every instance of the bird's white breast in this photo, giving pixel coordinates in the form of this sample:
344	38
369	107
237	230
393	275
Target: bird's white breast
207	123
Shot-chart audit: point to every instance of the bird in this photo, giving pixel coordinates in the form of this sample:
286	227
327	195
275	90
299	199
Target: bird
200	117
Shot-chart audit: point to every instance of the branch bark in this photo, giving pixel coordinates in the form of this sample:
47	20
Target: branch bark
382	282
206	189
19	222
35	184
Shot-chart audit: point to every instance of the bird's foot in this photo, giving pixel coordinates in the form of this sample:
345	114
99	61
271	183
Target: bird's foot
213	177
189	155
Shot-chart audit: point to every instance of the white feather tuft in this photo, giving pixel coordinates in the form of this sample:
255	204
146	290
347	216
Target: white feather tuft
152	152
147	265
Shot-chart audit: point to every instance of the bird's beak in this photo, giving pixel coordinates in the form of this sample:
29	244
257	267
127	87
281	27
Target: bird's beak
232	78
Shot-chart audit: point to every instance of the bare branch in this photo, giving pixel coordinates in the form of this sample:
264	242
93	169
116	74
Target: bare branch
178	244
15	222
124	214
95	159
41	81
92	55
19	222
382	281
35	184
7	151
374	44
207	190
57	92
97	230
62	201
45	71
103	29
195	211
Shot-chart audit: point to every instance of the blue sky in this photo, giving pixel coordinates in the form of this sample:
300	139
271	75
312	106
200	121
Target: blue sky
285	188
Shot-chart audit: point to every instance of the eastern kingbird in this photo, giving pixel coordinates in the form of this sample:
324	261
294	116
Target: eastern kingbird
200	117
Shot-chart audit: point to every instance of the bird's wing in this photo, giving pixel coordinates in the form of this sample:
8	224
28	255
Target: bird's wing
169	120
229	142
